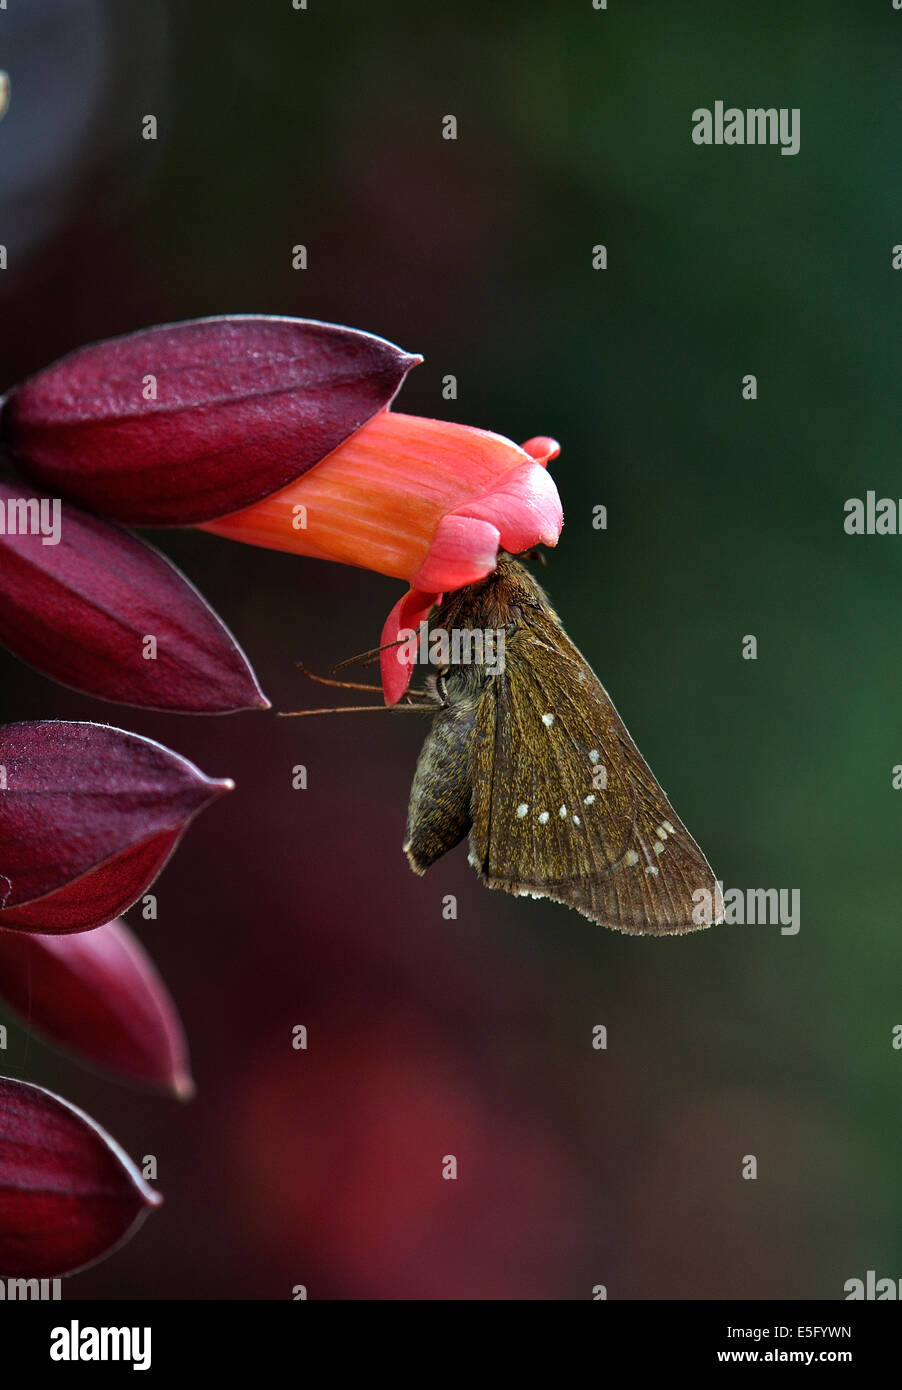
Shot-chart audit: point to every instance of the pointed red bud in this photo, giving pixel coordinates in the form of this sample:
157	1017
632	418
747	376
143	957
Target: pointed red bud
185	422
89	815
96	608
68	1193
99	995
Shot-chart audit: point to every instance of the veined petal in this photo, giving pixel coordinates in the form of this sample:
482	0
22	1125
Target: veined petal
378	500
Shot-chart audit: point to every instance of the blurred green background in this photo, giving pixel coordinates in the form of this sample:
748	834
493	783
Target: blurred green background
577	1167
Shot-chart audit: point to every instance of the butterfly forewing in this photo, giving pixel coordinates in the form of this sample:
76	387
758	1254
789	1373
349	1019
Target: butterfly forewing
563	804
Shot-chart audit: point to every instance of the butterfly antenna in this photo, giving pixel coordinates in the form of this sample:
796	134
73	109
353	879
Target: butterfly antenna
338	685
370	657
360	709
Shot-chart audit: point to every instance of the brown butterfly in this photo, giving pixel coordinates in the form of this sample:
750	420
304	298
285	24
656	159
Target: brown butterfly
534	762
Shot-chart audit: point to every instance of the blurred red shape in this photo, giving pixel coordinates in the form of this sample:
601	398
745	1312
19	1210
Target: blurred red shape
370	1201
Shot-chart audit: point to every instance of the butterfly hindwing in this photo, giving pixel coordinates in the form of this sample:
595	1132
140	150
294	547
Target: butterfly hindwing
438	816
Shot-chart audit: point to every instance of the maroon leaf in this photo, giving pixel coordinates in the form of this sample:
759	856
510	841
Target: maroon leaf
81	611
240	406
98	994
88	817
68	1193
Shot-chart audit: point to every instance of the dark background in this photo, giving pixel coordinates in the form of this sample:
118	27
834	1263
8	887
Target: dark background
473	1037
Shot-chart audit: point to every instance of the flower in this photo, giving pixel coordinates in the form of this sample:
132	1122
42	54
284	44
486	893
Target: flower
277	432
273	431
424	500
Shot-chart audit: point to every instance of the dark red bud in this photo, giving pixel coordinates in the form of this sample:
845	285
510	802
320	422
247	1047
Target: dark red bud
101	611
99	995
68	1193
185	422
88	816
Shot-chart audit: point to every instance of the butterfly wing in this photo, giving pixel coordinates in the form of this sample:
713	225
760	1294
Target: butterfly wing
438	816
577	815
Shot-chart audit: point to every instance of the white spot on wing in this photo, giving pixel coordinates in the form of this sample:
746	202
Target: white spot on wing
563	813
588	800
593	755
631	857
652	870
658	847
668	827
548	719
522	810
543	818
576	820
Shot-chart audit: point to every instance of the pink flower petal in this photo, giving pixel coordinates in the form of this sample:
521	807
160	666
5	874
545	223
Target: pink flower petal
525	507
520	510
407	614
68	1193
98	994
543	448
464	549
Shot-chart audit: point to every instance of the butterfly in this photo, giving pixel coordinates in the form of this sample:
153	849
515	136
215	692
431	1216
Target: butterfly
530	758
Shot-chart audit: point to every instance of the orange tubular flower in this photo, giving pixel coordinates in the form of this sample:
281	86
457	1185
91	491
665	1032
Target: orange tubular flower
428	501
279	432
